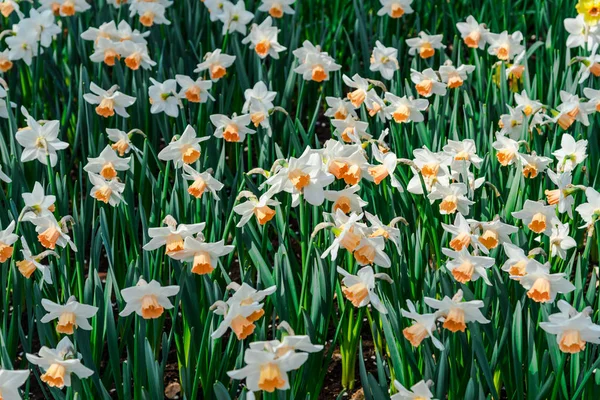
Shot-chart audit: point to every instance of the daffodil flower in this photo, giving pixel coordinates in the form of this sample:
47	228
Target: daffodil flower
571	153
40	141
259	207
473	33
148	300
456	313
109	191
388	161
122	141
561	197
454	77
541	285
384	60
201	182
516	263
65	8
359	289
10	381
360	86
109	101
107	163
52	232
232	129
462	234
425	44
346	199
136	55
203	256
216	63
107	51
7	239
428	83
339	108
276	8
463	151
172	236
395	8
263	39
507	150
58	364
3	104
150	13
433	167
590	211
30	263
235	17
164	97
580	34
314	65
573	329
560	241
422	327
453	198
184	149
465	267
505	46
538	217
70	316
493	233
7	7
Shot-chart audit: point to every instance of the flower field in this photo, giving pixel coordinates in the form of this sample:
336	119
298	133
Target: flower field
299	199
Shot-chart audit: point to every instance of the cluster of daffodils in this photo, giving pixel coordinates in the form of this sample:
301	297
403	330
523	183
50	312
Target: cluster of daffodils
165	98
113	42
29	37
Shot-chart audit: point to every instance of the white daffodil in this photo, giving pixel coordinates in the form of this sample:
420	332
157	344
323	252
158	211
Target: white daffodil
537	216
590	211
573	329
263	39
314	66
465	267
346	199
507	150
427	83
3	104
7	7
593	96
571	153
505	46
561	197
23	46
493	233
371	251
122	141
235	17
511	124
266	371
30	263
196	91
65	8
351	130
201	182
109	101
425	44
422	327
560	241
164	98
532	164
339	108
433	167
203	256
473	33
453	198
43	23
136	55
238	317
541	285
259	207
376	106
184	149
529	106
70	316
388	232
259	102
171	236
150	13
384	60
359	289
388	161
462	151
570	110
7	239
58	364
276	8
52	232
418	391
216	63
107	51
107	163
40	141
11	381
517	260
404	110
232	129
109	191
395	8
37	204
455	313
348	233
360	86
148	300
454	77
462	234
580	34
